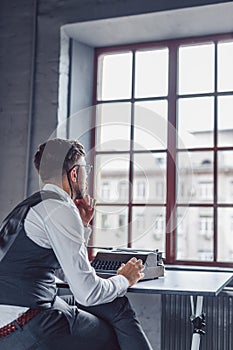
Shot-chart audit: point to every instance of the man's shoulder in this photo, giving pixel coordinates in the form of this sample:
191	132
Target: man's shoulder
57	208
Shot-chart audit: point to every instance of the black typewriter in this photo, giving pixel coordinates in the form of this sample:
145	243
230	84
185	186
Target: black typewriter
106	262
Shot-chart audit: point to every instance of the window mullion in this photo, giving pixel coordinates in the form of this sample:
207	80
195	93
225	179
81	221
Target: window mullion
130	209
171	157
215	227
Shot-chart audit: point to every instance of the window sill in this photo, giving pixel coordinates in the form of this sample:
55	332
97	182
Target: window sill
198	268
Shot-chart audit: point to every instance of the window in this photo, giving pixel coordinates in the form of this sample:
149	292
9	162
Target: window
164	112
123	190
140	221
141	190
122	221
205	255
105	190
206	190
104	221
159	189
159	227
206	227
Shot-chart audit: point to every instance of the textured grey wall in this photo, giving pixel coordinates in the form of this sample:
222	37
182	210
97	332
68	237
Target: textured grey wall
16	20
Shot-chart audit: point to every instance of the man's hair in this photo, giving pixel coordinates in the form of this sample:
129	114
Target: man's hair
56	157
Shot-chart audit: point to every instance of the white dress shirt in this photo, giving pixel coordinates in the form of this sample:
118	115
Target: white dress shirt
57	224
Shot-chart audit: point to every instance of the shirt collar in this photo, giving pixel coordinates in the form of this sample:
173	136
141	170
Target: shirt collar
59	190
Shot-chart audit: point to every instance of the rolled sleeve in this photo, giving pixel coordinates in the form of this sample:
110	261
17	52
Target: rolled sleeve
67	236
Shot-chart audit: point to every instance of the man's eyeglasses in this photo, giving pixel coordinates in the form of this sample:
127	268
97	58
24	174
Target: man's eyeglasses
87	167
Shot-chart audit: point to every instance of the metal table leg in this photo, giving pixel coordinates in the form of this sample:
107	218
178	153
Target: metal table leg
198	320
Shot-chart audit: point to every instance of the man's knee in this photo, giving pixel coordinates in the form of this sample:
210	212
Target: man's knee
117	309
123	308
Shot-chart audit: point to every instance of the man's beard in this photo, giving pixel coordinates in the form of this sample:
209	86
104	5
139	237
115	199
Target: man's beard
78	194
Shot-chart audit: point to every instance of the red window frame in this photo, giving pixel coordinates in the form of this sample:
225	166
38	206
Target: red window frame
171	146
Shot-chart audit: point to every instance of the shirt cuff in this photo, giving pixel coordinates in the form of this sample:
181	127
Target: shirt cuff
87	233
122	283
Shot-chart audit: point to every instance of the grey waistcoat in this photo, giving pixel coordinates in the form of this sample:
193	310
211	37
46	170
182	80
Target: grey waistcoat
26	269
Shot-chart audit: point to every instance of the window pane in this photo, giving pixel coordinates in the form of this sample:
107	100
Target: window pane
111	225
225	234
149	178
149	228
225	68
225	176
195	177
225	120
111	171
196	69
195	234
150	126
151	73
113	127
195	122
115	76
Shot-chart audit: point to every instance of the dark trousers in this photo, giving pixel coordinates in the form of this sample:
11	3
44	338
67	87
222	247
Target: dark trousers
111	326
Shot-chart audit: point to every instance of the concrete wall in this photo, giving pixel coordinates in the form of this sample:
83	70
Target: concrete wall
81	93
16	21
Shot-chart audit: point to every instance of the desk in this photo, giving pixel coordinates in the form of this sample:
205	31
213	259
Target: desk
187	282
193	283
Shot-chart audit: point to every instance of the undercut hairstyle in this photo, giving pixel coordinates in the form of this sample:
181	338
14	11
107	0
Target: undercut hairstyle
56	157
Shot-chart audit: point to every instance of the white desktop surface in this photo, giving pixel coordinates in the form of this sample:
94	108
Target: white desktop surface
185	282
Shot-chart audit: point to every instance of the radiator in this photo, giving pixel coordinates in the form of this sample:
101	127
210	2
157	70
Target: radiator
176	332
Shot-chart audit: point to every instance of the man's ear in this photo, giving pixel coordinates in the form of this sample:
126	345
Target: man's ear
74	175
